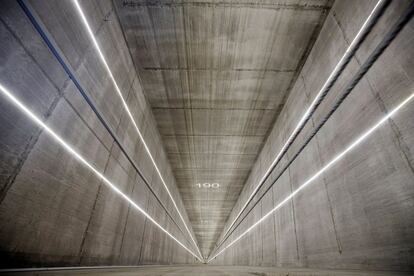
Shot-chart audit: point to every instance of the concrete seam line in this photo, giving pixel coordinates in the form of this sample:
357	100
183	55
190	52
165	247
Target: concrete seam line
67	68
78	156
337	158
125	105
363	31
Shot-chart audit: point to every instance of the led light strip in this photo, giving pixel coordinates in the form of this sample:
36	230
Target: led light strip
118	90
72	151
315	176
315	101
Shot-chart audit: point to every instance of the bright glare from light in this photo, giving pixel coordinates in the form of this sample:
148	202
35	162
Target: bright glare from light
118	90
326	167
306	114
72	151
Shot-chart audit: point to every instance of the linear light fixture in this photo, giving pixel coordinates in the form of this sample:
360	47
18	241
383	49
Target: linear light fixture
315	101
72	151
315	176
118	90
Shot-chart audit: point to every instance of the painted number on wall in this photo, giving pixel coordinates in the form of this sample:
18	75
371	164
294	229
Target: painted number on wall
208	185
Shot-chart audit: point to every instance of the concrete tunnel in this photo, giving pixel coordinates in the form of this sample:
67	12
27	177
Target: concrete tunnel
206	137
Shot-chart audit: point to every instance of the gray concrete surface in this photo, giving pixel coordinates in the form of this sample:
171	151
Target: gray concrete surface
216	88
359	213
216	74
53	210
206	271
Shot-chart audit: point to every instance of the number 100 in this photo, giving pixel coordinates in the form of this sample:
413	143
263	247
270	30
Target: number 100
208	185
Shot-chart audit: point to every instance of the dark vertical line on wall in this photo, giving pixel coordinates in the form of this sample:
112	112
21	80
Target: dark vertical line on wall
274	228
99	189
143	232
294	216
27	150
400	143
85	233
23	157
262	230
34	138
10	30
87	125
338	241
332	216
135	178
125	226
402	146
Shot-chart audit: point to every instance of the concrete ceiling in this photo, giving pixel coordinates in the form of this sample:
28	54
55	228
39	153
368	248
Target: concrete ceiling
216	74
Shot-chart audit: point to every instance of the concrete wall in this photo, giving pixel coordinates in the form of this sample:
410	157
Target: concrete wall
359	214
53	210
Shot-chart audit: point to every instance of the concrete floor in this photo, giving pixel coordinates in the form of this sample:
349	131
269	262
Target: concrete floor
204	271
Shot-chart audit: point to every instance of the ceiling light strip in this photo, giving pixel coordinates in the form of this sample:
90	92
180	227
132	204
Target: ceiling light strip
73	152
118	90
326	167
317	100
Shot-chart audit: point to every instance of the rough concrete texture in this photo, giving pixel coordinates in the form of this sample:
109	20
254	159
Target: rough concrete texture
359	213
53	210
203	271
216	74
216	87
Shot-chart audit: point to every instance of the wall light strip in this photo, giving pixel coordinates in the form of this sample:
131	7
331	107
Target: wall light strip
339	66
315	176
118	90
72	151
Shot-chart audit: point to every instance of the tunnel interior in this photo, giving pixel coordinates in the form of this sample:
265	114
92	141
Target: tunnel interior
204	137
